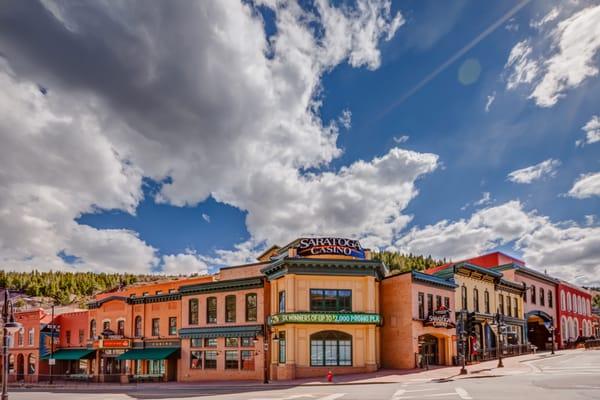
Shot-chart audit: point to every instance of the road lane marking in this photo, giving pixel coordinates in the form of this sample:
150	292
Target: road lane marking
421	390
462	393
333	396
398	394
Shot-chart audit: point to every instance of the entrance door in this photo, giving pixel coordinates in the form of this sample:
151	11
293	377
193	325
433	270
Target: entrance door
20	367
429	349
537	333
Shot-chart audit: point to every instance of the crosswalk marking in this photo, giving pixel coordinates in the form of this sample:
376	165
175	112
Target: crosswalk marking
462	393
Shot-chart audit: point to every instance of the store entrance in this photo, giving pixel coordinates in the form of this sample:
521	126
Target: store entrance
429	350
537	333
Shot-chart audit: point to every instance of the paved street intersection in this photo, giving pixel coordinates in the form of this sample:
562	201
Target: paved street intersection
570	376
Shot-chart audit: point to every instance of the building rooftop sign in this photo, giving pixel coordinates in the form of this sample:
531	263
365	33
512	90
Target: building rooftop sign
329	246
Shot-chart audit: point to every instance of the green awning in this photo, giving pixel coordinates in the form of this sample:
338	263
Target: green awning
69	354
148	354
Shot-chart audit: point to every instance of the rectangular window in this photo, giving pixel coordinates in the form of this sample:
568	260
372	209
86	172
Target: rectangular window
438	302
121	328
463	297
211	310
210	342
251	307
248	360
172	291
282	301
193	311
282	347
195	359
231	359
447	302
330	300
429	304
550	300
172	325
68	337
486	300
231	342
421	297
542	299
80	336
533	295
508	309
159	292
476	300
210	359
155	326
30	337
501	303
516	308
330	351
20	338
195	342
230	308
105	326
247	342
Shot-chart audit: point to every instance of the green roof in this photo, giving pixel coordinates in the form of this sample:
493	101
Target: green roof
148	354
69	354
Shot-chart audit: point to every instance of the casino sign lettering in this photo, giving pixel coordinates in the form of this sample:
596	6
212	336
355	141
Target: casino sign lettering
325	318
439	319
330	245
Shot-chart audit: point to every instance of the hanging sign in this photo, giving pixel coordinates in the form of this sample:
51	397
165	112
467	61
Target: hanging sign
440	318
324	318
330	246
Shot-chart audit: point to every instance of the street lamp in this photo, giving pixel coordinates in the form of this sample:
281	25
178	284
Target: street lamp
9	327
552	329
500	322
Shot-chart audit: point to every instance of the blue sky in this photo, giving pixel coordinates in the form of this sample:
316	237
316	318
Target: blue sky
188	190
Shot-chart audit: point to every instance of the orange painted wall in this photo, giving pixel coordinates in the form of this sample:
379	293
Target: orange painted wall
73	322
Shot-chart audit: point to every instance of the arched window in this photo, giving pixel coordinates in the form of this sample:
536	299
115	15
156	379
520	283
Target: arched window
93	329
476	300
463	293
486	300
193	312
564	332
330	348
576	328
562	300
11	364
569	305
31	364
138	326
588	310
542	297
121	327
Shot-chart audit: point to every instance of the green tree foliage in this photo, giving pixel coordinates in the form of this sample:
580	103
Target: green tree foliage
596	301
398	262
61	286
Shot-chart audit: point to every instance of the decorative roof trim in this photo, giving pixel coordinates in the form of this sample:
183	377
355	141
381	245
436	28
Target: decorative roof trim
222	286
324	266
221	331
433	280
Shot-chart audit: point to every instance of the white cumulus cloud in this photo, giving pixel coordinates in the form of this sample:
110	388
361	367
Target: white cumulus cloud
586	186
183	264
545	169
592	132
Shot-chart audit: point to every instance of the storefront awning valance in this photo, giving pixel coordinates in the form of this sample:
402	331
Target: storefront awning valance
148	354
221	331
69	354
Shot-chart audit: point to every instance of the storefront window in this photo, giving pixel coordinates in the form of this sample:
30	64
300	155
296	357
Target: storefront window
172	325
231	359
121	328
210	359
31	362
195	359
193	312
330	300
138	326
230	308
282	301
248	360
210	342
421	297
476	300
282	347
157	367
330	348
195	342
211	310
155	326
93	329
251	307
231	342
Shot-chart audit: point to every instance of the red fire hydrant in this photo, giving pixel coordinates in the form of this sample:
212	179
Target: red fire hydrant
330	376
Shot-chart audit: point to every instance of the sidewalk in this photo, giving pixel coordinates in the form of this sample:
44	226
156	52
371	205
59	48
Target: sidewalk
512	366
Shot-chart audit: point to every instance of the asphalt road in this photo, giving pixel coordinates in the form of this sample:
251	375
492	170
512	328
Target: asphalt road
568	377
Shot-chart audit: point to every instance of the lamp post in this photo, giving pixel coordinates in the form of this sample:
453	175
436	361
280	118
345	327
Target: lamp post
500	322
9	326
552	329
462	339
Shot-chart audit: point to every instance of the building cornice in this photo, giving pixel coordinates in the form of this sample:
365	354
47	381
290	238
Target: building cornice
324	266
221	286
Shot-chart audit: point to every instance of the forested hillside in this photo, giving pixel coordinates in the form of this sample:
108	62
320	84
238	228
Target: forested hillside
398	262
61	286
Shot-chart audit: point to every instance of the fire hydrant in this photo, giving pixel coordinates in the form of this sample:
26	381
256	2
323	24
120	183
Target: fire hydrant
330	376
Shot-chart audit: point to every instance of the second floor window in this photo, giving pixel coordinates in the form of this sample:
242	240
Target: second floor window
211	310
550	302
81	336
330	300
447	302
230	308
508	310
532	294
155	326
105	326
501	304
438	302
486	300
463	297
138	326
542	297
68	337
93	329
172	325
282	301
193	312
121	328
251	307
515	308
30	336
429	304
421	305
476	300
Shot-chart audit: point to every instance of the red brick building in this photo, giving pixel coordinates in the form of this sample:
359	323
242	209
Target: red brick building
574	315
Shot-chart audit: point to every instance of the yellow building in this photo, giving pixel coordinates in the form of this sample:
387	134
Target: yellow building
485	293
324	296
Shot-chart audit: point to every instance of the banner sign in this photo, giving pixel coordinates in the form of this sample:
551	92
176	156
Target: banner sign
46	342
439	319
324	318
330	245
111	343
162	343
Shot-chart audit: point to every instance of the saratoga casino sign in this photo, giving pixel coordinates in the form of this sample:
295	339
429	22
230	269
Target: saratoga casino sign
329	246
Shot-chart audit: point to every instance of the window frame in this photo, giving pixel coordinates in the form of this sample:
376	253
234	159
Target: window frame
421	305
251	309
172	326
281	348
211	310
475	299
318	341
138	326
230	308
316	306
155	328
193	311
